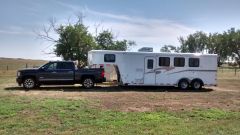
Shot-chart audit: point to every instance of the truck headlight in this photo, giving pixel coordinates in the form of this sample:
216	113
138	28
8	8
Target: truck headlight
18	73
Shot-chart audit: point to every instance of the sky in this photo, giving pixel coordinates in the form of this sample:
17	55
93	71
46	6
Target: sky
150	23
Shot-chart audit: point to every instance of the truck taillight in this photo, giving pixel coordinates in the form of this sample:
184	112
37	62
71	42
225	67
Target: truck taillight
102	73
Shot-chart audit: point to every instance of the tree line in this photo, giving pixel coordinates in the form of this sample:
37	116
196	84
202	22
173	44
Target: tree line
226	45
74	41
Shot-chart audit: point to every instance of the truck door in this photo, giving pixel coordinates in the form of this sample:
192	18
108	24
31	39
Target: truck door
55	72
149	72
65	72
48	72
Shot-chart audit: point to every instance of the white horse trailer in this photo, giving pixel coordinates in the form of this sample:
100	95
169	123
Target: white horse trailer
182	70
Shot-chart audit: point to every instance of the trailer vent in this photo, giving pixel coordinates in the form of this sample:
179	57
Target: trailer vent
145	49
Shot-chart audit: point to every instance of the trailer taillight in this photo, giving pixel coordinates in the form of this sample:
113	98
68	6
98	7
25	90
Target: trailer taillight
102	73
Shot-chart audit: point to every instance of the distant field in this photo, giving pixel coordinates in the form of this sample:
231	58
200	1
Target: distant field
16	63
111	110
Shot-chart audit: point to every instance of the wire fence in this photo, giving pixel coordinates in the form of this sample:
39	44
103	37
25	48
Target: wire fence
223	72
17	66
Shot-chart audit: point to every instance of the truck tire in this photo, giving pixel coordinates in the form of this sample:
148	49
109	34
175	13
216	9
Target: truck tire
29	83
183	84
196	84
88	83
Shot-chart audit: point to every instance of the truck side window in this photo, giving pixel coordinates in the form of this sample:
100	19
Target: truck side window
65	65
109	57
193	62
51	66
179	62
164	61
150	63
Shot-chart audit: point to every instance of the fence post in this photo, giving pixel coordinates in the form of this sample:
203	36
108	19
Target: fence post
235	71
7	67
26	65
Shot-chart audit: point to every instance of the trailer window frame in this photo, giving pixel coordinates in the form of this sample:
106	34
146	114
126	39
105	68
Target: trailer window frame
109	58
165	63
179	61
193	62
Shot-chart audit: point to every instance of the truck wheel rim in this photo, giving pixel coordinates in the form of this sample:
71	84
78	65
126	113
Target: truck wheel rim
196	85
184	85
88	83
29	83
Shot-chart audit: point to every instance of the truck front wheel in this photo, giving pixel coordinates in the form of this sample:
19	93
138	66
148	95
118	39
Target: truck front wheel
88	83
29	83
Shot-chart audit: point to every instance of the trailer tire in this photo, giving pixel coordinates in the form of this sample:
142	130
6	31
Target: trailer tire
183	84
196	84
88	83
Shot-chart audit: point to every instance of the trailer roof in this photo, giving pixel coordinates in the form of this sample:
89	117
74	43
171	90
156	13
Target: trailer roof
165	53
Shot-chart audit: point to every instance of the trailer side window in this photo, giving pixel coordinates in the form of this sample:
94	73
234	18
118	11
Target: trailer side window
193	62
109	57
179	62
150	64
164	61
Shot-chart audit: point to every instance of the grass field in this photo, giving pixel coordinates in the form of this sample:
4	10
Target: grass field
114	110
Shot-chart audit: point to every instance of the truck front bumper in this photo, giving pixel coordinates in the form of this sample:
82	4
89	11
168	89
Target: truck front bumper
19	80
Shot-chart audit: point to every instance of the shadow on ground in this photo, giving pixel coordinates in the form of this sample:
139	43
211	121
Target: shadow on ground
108	89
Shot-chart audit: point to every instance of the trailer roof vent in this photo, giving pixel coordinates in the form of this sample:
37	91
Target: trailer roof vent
145	49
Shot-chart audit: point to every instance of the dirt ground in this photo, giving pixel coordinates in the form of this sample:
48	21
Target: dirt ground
140	99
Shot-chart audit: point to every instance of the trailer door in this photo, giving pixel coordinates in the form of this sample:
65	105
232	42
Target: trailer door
149	71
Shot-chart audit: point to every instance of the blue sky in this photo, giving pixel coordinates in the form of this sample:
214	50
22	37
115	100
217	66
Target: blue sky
148	22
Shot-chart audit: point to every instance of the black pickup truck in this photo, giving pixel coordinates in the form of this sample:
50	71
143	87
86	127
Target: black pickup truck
59	73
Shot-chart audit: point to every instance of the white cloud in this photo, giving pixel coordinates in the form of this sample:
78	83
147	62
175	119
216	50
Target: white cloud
144	31
16	30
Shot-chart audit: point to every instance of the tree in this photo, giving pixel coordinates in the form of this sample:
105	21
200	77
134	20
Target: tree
195	43
169	48
73	42
233	42
217	44
105	41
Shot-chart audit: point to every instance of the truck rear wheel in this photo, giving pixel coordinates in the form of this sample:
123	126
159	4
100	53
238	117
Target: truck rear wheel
88	83
29	83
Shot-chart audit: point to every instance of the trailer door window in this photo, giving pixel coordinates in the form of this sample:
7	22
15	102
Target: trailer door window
164	61
109	57
193	62
150	63
179	62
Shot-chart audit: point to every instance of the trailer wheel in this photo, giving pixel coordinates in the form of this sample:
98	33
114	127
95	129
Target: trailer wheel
196	84
88	83
183	84
29	83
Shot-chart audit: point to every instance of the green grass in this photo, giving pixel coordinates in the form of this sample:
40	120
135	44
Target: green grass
33	115
26	115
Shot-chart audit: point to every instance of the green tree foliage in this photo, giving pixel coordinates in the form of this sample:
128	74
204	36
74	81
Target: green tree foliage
74	43
226	44
105	41
195	43
233	44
